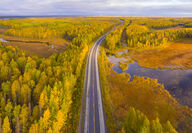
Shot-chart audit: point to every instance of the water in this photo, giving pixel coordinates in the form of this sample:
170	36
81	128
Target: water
177	82
122	52
2	40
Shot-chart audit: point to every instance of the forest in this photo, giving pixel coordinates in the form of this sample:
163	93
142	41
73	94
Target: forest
54	33
39	95
135	104
147	33
141	104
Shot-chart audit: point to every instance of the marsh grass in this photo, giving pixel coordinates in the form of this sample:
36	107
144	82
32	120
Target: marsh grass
123	66
42	48
178	55
146	94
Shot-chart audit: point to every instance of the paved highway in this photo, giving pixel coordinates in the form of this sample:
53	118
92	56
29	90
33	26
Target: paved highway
92	115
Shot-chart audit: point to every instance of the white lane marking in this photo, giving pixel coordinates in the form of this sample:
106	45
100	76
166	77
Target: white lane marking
86	125
100	106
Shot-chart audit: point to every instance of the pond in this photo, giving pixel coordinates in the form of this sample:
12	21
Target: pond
2	40
178	82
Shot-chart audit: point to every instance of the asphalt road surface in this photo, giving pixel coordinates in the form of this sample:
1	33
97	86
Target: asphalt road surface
92	115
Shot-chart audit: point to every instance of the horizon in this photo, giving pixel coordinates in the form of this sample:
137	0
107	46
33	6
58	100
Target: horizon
171	8
31	16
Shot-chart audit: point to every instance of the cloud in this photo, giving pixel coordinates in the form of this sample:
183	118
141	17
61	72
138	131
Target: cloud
97	7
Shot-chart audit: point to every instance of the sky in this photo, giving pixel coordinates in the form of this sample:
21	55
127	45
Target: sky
96	7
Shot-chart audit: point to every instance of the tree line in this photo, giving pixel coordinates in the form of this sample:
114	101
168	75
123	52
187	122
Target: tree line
36	93
40	95
141	36
149	32
70	29
137	122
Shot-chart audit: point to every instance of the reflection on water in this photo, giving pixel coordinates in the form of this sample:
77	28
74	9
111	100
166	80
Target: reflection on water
177	82
122	52
115	60
2	40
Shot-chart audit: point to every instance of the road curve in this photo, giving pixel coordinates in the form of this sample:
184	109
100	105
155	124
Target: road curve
92	116
92	120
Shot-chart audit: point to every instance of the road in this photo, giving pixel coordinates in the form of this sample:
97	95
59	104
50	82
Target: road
93	117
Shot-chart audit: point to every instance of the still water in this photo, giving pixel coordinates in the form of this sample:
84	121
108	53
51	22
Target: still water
177	82
2	40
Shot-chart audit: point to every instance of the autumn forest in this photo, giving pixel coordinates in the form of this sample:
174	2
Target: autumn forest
43	69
